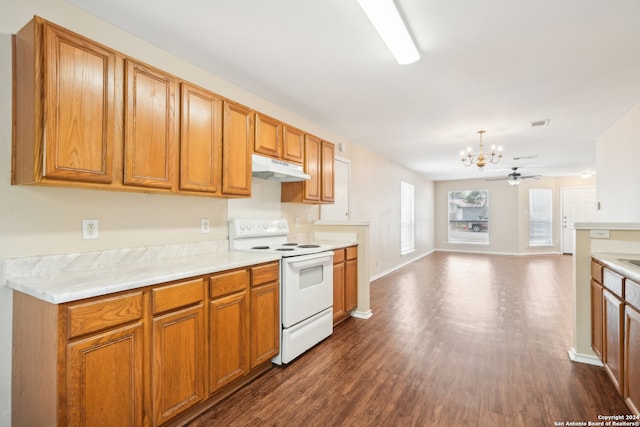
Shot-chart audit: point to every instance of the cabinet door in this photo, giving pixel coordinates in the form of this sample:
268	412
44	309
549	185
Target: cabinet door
104	379
596	318
265	323
79	90
327	174
200	140
292	144
632	360
268	140
613	316
178	362
237	143
229	339
338	292
312	156
351	285
150	141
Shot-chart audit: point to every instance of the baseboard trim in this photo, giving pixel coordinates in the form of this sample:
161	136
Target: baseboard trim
362	314
584	358
399	266
467	251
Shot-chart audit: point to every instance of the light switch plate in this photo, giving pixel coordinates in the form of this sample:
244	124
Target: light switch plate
599	234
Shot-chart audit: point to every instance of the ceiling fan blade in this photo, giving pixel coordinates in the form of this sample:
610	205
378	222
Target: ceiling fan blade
531	177
495	179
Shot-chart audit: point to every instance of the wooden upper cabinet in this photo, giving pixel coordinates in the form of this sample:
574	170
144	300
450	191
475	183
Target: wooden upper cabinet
64	106
268	139
200	140
237	143
292	144
327	173
318	163
150	140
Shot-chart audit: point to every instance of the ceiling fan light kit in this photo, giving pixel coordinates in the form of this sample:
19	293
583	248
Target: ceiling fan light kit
481	159
515	177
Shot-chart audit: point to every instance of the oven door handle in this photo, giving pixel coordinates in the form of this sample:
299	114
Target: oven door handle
299	265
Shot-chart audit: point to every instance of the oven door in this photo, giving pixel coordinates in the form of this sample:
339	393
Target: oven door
307	286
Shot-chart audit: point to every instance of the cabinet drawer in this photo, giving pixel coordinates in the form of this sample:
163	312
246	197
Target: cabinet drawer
612	281
103	314
596	271
632	293
226	283
266	273
177	295
352	252
338	256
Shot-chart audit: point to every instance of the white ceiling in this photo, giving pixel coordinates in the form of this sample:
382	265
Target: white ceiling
494	64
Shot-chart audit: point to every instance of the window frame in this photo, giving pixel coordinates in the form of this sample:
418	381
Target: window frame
463	219
548	242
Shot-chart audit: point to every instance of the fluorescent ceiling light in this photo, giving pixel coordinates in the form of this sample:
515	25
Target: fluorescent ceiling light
387	21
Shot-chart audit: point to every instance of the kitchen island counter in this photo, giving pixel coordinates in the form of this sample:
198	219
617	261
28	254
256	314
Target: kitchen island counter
619	262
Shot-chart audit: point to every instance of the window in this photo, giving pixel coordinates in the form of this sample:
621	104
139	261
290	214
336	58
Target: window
469	217
540	222
407	216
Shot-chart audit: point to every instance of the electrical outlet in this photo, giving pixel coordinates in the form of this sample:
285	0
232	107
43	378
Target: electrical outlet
204	225
90	229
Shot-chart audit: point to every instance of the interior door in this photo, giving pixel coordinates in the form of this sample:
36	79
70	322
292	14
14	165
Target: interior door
339	209
578	205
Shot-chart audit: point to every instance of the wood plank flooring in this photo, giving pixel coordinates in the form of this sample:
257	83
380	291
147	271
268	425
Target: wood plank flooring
455	340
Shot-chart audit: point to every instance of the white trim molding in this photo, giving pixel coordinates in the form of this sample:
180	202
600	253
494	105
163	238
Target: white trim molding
584	358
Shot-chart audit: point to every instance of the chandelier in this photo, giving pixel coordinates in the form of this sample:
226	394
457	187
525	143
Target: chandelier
481	158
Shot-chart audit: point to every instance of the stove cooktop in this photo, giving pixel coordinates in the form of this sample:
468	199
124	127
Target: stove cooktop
285	247
269	236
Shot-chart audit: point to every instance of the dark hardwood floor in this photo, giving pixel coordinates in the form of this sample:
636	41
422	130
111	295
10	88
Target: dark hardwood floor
455	340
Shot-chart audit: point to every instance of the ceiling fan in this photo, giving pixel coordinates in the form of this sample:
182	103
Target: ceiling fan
515	177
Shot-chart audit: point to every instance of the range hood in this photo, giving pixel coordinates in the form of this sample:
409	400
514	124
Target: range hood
277	170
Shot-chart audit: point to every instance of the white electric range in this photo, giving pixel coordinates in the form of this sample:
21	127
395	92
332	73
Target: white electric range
306	282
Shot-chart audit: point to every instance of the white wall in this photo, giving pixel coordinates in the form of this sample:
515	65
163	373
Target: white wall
618	152
375	197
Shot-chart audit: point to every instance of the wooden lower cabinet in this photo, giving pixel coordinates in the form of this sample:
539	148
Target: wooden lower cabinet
632	359
147	357
351	279
229	325
265	313
228	339
597	324
345	282
104	385
613	316
179	349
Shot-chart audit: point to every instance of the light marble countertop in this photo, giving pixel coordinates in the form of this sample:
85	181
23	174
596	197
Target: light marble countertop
65	286
71	277
619	263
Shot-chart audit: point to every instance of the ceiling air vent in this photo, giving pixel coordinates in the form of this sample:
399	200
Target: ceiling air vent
540	123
